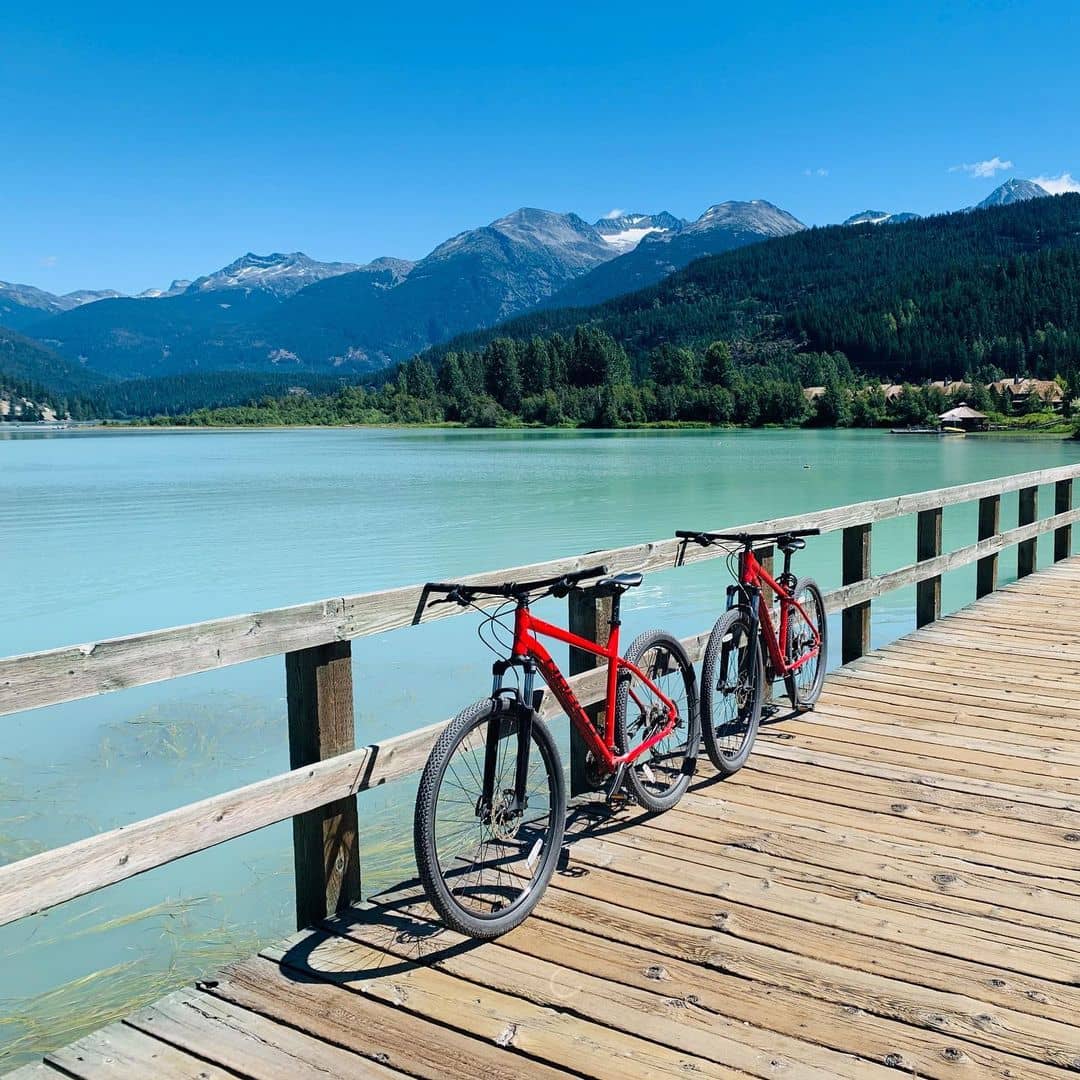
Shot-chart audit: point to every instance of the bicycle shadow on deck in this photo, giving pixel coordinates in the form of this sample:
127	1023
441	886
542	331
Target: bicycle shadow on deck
377	947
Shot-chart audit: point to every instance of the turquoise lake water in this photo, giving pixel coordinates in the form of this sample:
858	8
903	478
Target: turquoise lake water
108	533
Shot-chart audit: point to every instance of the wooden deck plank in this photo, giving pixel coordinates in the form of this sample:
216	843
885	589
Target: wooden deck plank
871	832
955	1015
534	1026
248	1043
119	1052
902	880
912	930
903	1042
891	887
905	800
674	1021
363	1024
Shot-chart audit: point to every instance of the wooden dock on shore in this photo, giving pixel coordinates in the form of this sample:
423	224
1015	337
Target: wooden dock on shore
890	888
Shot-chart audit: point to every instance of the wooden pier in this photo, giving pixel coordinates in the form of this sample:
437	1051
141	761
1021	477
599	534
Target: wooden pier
890	888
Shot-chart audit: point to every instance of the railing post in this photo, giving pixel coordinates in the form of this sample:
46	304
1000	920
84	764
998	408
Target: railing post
1028	512
855	623
590	618
989	525
928	546
326	845
1063	535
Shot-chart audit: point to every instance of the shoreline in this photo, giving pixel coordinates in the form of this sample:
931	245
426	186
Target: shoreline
452	425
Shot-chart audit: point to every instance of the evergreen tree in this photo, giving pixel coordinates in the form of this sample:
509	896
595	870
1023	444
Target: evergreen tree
503	374
718	369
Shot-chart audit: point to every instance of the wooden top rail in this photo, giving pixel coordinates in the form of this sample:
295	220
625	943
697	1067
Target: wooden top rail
44	678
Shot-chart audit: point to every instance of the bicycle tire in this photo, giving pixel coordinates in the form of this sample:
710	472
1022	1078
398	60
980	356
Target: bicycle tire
435	855
658	779
729	739
802	690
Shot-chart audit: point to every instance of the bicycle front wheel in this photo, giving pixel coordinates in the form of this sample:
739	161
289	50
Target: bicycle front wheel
659	777
804	684
485	866
732	688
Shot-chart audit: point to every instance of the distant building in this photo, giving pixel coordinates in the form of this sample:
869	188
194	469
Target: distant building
963	416
812	393
1018	392
949	386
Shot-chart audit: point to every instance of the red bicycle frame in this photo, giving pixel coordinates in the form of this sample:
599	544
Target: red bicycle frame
527	647
751	577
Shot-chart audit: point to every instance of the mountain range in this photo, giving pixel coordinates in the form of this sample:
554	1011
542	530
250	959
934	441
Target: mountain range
285	312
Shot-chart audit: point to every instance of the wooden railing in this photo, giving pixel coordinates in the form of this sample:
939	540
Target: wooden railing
328	771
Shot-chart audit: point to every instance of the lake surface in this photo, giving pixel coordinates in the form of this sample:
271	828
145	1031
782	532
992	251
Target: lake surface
108	533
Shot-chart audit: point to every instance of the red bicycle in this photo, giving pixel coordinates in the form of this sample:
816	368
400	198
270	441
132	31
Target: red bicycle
736	667
491	806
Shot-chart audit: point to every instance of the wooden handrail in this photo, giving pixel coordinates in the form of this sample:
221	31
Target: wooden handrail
37	679
53	877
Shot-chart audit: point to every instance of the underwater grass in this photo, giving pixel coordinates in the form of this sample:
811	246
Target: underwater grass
147	953
31	1027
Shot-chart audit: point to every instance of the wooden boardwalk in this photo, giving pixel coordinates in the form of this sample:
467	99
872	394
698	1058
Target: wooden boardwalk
890	888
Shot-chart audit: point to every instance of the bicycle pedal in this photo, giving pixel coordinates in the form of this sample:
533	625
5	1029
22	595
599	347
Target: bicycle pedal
615	782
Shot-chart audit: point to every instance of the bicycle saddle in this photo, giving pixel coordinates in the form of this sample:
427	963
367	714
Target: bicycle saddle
620	582
788	544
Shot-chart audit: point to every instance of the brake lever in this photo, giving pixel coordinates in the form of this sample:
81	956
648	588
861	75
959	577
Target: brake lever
456	597
423	603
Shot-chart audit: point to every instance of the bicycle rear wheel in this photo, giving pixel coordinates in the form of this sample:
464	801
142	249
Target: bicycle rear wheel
484	869
804	685
732	689
659	777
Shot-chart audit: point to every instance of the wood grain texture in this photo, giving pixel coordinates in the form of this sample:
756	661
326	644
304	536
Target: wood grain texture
590	618
855	571
1028	511
989	525
1063	490
326	840
928	546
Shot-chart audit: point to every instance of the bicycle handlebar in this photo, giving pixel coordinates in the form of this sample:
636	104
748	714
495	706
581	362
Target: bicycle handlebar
707	538
463	592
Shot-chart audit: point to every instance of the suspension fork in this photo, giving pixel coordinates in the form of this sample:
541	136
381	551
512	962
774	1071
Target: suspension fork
748	597
507	711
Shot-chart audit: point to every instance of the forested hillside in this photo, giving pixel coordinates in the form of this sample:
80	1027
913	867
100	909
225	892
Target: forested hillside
927	298
30	370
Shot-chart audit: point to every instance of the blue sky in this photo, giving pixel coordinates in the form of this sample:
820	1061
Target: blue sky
143	143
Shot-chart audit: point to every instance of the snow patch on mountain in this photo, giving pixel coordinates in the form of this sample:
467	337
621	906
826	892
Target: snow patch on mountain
277	273
175	289
881	217
756	216
624	231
